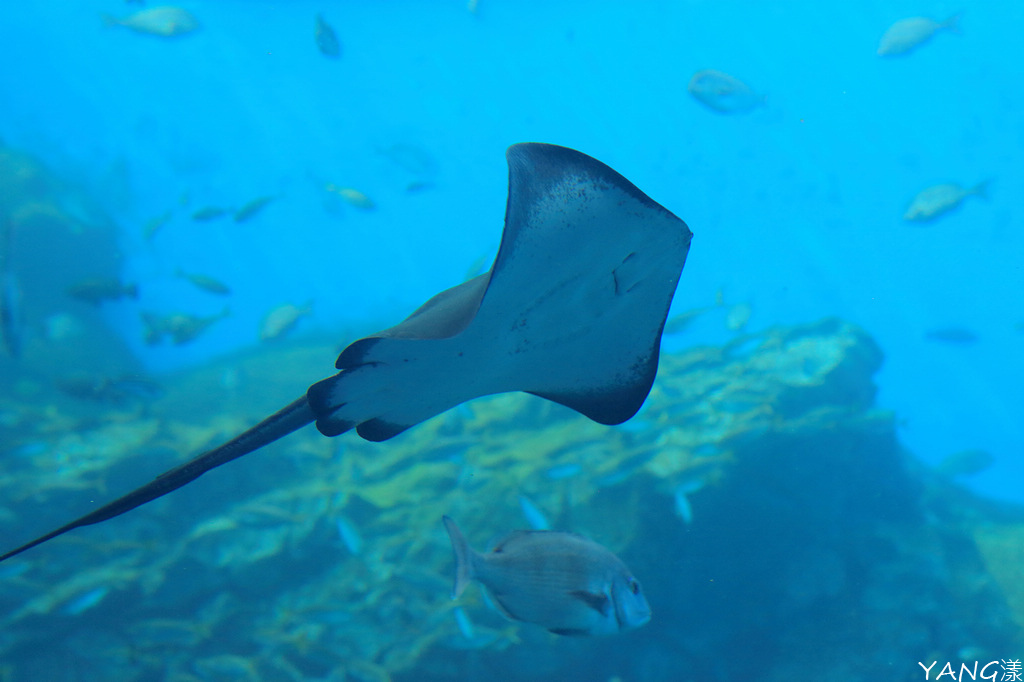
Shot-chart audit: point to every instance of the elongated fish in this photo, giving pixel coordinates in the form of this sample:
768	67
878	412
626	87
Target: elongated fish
561	581
906	35
938	200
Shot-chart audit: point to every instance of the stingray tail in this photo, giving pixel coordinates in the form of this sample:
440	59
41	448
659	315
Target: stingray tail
463	557
278	425
952	24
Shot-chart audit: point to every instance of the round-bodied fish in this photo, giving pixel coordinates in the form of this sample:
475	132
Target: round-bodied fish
159	21
724	93
907	35
938	200
561	581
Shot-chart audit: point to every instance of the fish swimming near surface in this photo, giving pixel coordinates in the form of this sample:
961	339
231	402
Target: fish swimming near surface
938	200
326	38
167	22
724	93
906	35
571	310
561	581
96	290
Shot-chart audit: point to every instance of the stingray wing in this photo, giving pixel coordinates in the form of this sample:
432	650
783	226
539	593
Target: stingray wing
572	309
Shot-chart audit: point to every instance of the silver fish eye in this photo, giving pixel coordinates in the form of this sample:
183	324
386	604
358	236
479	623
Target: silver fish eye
634	586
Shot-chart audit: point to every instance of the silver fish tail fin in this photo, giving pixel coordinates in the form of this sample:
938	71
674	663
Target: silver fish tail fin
463	557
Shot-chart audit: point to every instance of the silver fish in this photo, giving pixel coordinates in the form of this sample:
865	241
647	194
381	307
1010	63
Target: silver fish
938	200
561	581
724	93
907	34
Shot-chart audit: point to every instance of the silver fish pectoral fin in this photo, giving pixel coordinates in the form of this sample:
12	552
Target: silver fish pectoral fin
600	602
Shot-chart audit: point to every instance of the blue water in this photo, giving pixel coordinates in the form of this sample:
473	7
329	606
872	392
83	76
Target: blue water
796	207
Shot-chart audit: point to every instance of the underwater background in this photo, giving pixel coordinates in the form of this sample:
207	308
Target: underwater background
824	483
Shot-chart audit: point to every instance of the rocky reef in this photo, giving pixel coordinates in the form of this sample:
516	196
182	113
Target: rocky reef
780	529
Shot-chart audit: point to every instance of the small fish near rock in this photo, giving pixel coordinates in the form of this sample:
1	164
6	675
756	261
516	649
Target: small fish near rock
561	581
938	200
906	35
724	93
965	463
326	39
167	22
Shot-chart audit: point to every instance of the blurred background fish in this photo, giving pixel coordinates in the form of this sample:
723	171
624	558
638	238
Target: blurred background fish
906	35
282	319
326	39
205	283
251	209
955	335
723	93
180	328
965	463
168	22
96	290
938	200
11	322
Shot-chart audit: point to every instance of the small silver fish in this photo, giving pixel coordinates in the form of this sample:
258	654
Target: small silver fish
561	581
938	200
159	21
724	93
908	34
205	282
282	320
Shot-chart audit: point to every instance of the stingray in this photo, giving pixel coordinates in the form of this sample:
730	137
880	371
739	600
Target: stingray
572	310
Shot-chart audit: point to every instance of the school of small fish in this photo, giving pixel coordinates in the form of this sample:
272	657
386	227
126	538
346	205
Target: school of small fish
370	520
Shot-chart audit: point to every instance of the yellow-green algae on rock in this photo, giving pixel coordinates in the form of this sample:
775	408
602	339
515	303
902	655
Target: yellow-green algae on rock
812	545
